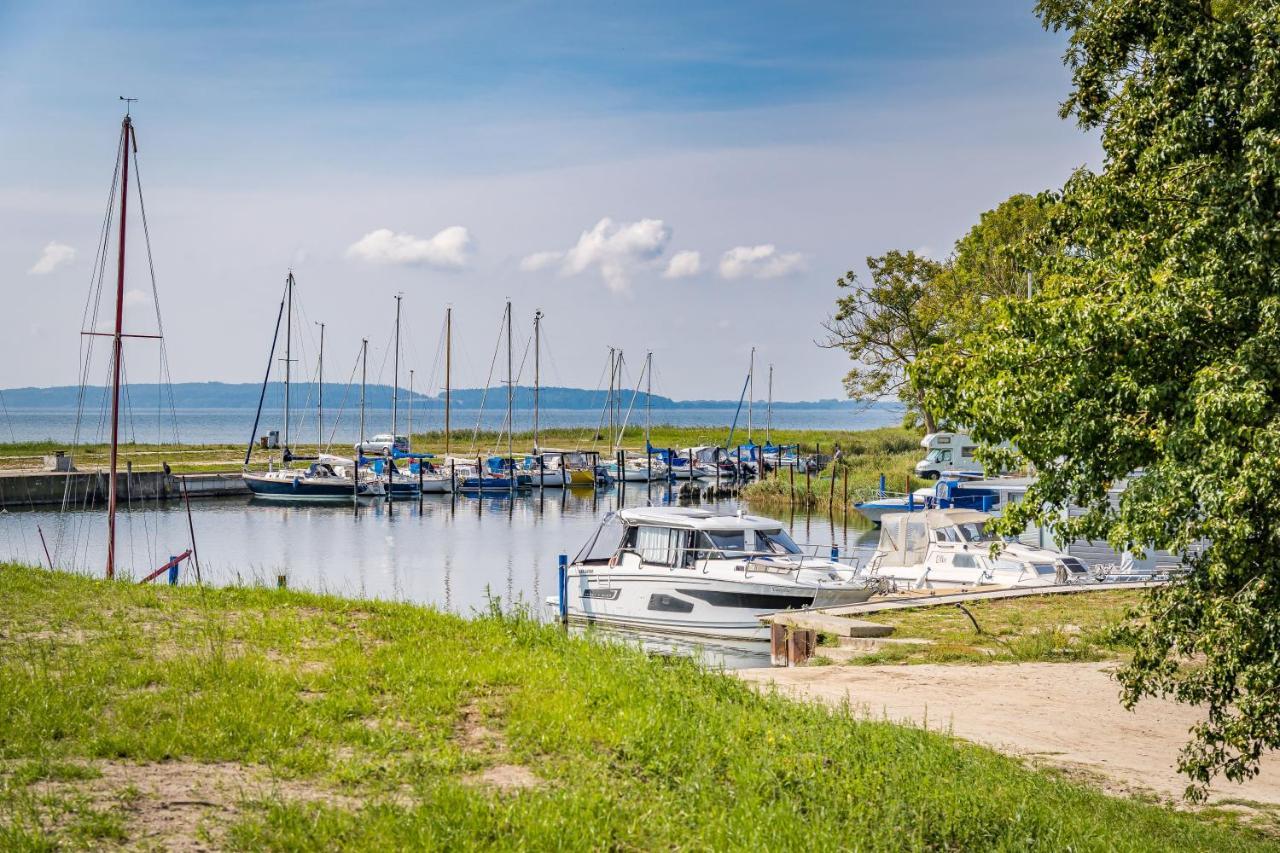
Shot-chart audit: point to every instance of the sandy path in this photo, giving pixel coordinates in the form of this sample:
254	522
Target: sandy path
1064	714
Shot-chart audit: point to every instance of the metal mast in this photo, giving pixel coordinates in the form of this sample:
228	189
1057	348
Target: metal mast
395	370
613	368
117	350
751	393
537	373
288	356
768	418
448	371
320	395
364	375
411	409
648	398
510	393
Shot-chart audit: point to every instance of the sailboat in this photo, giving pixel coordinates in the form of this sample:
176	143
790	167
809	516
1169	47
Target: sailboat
632	469
546	469
319	482
498	473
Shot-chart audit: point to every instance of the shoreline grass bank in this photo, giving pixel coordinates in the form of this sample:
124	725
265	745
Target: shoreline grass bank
369	725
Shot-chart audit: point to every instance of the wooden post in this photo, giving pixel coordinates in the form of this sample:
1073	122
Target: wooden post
845	489
793	483
801	644
778	644
831	492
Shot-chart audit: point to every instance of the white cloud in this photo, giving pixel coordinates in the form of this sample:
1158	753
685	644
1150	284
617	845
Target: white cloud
683	265
55	254
540	261
617	249
450	249
764	261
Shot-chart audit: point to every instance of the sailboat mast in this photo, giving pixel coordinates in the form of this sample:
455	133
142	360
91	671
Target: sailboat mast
448	373
320	395
364	375
288	356
537	373
395	371
411	409
117	350
613	370
648	398
768	418
751	393
510	389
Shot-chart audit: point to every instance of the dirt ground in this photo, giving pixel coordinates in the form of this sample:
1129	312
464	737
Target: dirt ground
1065	715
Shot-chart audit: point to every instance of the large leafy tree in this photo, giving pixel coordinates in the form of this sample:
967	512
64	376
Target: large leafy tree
1007	244
1153	352
888	324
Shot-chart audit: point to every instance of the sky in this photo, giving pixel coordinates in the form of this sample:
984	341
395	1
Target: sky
683	178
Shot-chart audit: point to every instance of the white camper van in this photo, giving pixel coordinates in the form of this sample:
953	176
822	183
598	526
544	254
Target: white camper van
947	451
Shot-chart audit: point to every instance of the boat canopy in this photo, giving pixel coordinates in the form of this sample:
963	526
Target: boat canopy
904	536
604	543
691	518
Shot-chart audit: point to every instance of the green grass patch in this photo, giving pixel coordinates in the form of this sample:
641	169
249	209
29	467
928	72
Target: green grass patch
378	724
1086	626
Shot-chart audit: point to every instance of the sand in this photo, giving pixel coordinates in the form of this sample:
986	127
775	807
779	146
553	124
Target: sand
1065	715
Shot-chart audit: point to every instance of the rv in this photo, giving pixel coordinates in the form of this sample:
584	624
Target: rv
947	452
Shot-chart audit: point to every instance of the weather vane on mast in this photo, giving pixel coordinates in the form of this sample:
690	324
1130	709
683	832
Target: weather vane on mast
128	104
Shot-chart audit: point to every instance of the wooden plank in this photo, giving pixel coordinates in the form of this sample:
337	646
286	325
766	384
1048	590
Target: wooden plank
825	623
906	602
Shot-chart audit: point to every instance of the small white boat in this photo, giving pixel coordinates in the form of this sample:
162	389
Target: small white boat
937	548
876	508
688	571
637	471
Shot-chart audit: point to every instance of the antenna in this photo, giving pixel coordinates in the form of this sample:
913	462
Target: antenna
128	104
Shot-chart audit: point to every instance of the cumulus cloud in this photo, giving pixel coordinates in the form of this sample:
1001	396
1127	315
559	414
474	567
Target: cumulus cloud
764	261
683	265
617	249
450	249
55	254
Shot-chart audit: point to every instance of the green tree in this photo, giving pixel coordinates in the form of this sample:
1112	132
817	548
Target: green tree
1153	351
887	326
994	258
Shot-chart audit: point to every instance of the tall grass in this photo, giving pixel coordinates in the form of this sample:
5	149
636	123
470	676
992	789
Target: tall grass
366	699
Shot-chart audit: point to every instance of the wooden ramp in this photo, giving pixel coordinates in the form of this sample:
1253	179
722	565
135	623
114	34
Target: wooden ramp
964	595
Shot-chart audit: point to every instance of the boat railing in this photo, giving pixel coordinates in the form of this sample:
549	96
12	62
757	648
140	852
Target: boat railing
773	562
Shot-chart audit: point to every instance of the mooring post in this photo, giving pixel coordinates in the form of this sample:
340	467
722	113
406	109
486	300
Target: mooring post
792	468
881	486
282	581
835	552
173	570
716	456
562	571
421	475
845	489
777	644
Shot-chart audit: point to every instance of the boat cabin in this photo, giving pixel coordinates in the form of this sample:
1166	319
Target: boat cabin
678	537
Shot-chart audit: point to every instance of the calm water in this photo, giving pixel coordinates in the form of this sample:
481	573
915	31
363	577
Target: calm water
200	426
450	553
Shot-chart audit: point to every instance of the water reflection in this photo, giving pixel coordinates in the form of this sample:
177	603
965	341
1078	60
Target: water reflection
451	552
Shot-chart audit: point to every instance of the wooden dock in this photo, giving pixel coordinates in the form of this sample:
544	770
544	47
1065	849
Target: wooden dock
961	595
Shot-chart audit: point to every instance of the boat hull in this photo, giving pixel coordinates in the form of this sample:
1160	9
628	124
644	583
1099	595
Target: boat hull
692	605
300	489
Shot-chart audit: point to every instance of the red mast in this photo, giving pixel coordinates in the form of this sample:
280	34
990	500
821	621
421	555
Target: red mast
126	135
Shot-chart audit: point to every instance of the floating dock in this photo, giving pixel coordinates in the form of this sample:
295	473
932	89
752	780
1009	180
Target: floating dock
78	489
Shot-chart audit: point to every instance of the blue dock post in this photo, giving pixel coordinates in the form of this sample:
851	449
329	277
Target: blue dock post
173	570
563	572
881	485
835	553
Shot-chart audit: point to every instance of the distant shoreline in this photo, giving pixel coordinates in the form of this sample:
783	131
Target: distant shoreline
244	395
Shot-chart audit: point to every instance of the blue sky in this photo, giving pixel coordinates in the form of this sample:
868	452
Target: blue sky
572	157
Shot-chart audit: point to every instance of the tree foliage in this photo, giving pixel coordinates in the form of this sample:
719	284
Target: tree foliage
885	327
995	257
1153	351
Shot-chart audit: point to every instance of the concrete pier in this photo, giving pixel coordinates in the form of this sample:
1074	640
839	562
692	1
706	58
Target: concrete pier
24	489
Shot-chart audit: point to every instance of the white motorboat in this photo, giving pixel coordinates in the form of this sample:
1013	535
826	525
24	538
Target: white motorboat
637	470
688	571
936	548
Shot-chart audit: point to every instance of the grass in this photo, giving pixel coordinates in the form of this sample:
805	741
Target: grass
229	457
1049	628
891	451
383	726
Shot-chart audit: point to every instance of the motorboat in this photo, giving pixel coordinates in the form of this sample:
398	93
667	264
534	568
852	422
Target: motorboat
319	483
944	494
636	470
936	548
682	570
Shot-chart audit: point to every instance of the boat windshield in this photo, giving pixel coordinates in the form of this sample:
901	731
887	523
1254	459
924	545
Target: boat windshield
975	531
938	455
603	544
776	542
730	543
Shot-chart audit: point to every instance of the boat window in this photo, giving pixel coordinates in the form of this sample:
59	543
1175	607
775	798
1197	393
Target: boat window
658	545
604	543
775	542
937	455
974	531
731	543
964	561
1045	568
